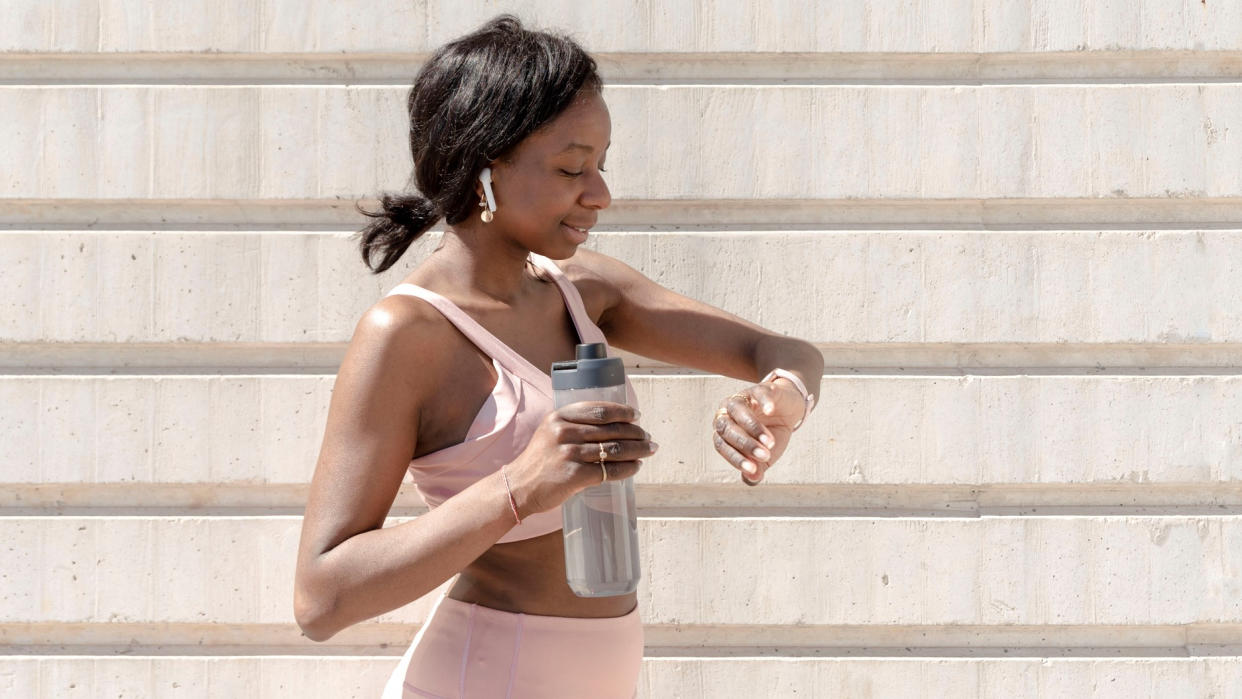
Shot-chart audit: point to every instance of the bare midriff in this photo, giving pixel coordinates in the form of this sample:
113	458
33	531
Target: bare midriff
528	576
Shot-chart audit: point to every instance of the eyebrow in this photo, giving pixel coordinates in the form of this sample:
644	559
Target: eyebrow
582	146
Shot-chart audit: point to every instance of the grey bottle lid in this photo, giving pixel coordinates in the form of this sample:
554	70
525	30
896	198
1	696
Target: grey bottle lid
592	368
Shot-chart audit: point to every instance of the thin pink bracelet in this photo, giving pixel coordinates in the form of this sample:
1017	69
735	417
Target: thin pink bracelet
512	502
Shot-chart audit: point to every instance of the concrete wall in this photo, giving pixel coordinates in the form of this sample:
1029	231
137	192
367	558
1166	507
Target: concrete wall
1011	227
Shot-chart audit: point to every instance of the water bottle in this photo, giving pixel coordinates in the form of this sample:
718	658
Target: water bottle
600	522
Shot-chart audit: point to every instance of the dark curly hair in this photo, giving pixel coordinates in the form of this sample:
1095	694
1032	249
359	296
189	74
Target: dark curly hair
473	101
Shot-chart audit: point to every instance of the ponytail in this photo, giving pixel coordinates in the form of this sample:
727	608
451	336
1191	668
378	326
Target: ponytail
403	218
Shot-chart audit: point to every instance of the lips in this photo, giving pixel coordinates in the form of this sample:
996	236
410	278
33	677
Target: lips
576	235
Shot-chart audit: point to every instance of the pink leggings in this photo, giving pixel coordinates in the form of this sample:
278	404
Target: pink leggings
468	650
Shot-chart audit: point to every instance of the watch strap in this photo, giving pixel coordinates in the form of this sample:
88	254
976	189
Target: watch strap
797	382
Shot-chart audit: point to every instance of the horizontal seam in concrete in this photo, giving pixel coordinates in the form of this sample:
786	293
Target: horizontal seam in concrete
82	360
656	500
1179	211
101	651
682	640
915	651
363	654
1210	509
639	68
739	513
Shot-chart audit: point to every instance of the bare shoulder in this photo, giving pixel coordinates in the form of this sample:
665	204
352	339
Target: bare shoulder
401	315
403	333
390	371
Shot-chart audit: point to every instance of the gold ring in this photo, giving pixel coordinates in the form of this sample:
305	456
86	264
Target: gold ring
601	467
603	454
741	395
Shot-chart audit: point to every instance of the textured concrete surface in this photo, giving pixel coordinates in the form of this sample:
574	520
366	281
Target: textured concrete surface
849	142
205	432
785	572
639	26
1012	228
1092	286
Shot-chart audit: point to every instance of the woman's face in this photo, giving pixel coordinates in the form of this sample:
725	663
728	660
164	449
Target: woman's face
553	180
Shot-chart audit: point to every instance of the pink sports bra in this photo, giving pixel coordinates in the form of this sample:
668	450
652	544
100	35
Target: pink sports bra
504	425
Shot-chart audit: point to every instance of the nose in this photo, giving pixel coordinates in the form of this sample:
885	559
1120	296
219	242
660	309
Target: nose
596	194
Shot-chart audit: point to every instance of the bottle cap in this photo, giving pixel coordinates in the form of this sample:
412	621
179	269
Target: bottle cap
592	368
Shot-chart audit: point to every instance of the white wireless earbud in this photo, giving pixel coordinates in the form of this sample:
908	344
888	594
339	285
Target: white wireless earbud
486	178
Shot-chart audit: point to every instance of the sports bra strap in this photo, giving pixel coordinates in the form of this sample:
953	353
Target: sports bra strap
587	330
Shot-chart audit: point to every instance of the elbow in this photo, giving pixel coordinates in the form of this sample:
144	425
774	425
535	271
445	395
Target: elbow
316	634
313	613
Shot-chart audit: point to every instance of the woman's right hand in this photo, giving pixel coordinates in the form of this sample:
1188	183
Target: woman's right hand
562	457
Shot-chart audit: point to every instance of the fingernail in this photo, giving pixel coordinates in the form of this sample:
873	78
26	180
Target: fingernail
638	415
762	454
654	446
768	441
750	468
767	408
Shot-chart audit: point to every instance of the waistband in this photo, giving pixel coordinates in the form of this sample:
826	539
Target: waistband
535	622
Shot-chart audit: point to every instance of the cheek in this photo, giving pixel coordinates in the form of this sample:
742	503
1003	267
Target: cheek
524	191
534	200
543	202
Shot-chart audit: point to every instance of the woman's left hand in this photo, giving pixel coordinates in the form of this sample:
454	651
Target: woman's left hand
752	427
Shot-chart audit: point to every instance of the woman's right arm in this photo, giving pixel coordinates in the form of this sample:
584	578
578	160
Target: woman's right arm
349	566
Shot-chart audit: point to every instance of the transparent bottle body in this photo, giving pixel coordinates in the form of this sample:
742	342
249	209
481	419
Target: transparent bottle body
600	523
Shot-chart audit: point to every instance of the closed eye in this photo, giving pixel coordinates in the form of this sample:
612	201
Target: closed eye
575	174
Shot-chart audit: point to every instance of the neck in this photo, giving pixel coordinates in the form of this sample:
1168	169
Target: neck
485	263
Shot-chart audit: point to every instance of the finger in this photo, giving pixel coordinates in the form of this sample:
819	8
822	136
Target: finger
598	412
617	470
734	457
743	414
745	444
766	395
722	424
611	432
622	450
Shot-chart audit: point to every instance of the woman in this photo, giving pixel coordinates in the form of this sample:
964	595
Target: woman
445	377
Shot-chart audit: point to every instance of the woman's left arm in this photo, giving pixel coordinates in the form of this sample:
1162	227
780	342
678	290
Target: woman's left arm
752	428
